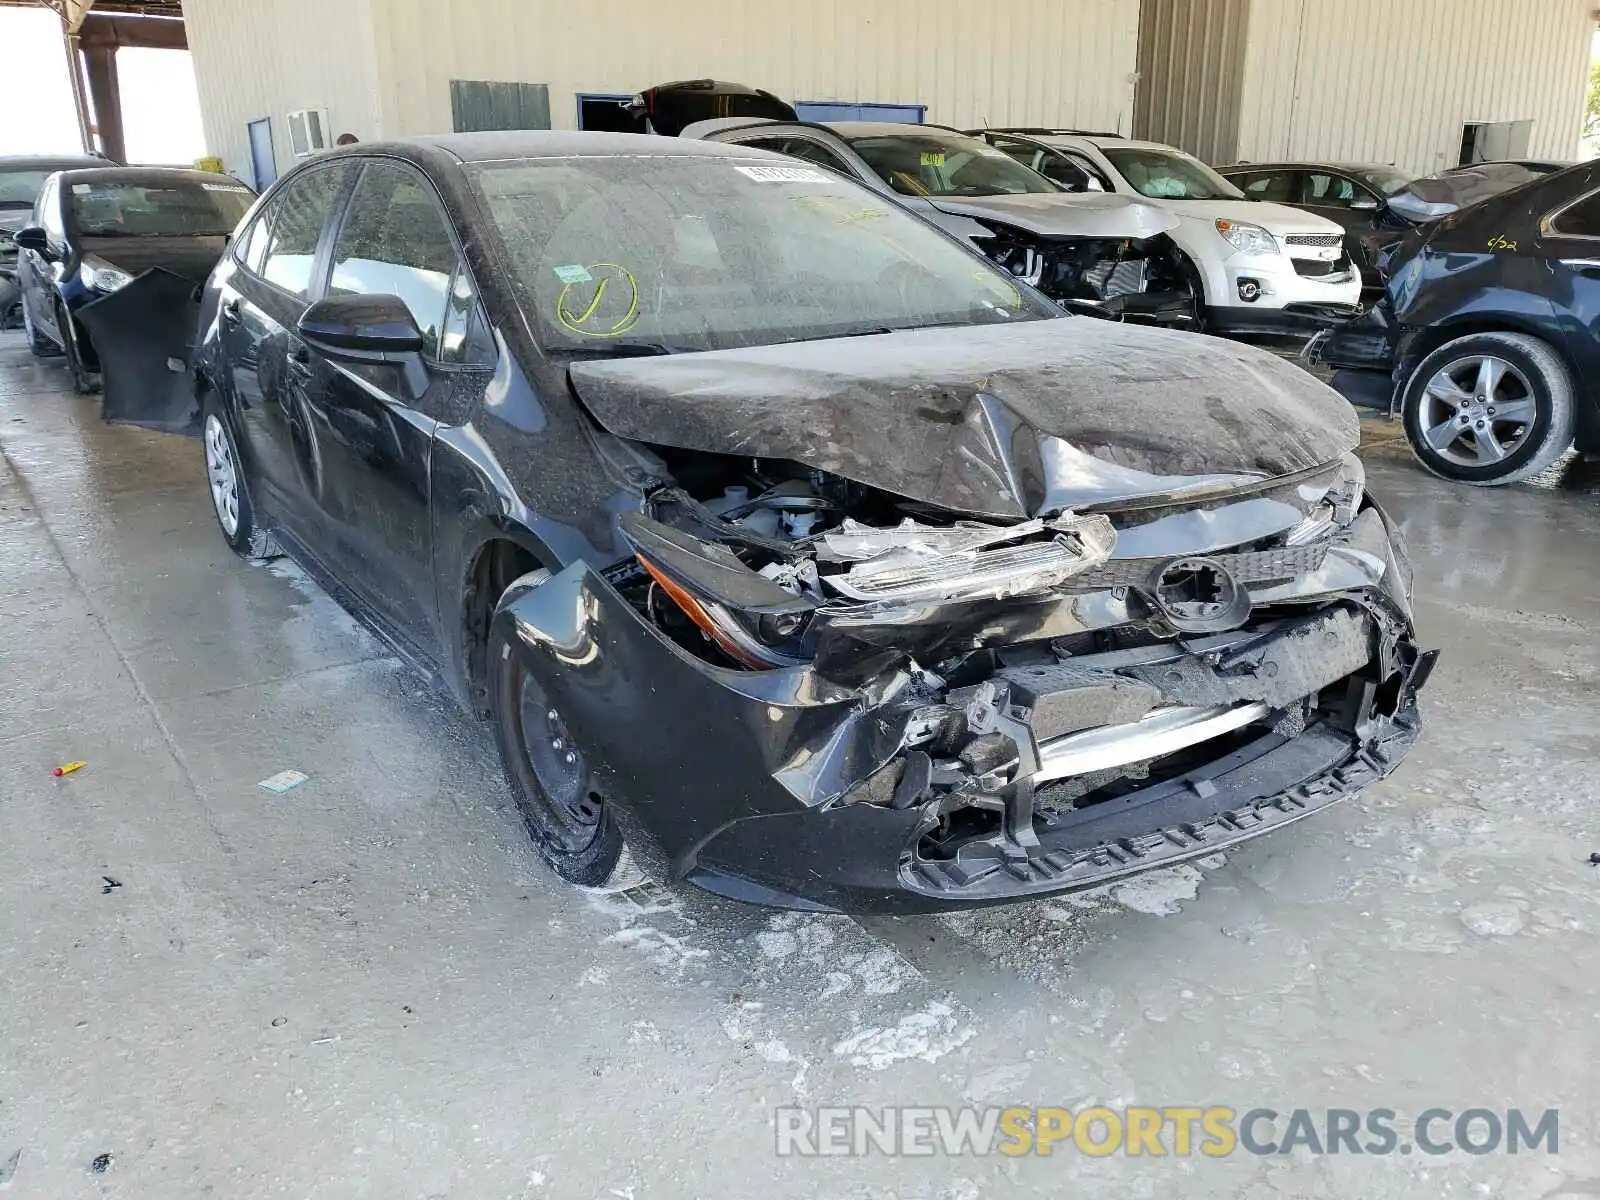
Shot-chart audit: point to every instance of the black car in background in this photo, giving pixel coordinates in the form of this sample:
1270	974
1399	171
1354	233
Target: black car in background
1487	339
1354	195
94	231
21	179
789	543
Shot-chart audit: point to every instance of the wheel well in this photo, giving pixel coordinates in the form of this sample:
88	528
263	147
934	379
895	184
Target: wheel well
497	564
1431	337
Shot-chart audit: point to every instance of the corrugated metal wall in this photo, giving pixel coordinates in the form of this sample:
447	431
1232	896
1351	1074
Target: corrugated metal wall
1000	62
1191	74
264	58
1394	80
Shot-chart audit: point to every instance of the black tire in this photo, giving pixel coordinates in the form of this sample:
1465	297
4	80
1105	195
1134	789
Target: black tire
571	825
84	381
1197	288
247	537
1490	442
39	345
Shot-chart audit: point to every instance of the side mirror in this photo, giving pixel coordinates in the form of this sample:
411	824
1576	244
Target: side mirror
1364	204
33	237
361	326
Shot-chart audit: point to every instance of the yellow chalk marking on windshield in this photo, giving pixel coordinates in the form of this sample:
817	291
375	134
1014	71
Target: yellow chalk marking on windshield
578	322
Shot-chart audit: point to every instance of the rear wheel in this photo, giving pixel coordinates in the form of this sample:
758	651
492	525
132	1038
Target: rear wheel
230	493
562	805
1489	408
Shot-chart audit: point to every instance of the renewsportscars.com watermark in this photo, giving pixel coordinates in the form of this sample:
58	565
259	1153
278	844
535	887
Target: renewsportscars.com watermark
1214	1132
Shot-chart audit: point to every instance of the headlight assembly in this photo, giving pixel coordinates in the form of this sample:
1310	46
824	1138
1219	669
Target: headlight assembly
101	276
1247	238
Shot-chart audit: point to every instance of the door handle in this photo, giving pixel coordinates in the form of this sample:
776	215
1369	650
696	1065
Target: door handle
230	310
300	356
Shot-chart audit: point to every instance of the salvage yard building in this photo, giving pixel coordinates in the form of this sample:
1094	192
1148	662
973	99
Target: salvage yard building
1422	84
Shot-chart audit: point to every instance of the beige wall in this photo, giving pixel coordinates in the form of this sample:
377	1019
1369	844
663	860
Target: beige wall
999	61
264	58
1191	74
1395	80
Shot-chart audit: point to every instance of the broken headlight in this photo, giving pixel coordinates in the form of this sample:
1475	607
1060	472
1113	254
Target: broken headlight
1338	507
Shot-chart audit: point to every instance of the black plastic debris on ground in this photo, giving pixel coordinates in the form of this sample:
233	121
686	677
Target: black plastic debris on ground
101	1164
109	884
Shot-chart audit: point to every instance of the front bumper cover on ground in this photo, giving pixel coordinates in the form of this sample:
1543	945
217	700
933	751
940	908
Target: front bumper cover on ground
784	787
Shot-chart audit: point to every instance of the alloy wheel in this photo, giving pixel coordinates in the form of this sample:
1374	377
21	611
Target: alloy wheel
1477	411
223	474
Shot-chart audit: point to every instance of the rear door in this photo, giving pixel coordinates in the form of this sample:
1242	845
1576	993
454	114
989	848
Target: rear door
259	308
374	422
36	273
1566	258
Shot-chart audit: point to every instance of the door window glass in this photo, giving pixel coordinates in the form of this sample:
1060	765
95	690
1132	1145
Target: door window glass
813	152
1328	191
50	214
253	249
395	242
297	216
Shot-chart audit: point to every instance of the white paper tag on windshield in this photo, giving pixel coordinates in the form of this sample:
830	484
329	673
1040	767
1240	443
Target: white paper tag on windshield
80	189
776	174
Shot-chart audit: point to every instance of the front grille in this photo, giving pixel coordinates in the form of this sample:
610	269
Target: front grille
1253	566
1314	239
1312	268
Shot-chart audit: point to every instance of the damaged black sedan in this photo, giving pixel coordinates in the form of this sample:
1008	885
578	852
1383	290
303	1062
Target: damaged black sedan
792	548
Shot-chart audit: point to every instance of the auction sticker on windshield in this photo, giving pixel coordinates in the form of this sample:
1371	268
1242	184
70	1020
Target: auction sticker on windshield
765	174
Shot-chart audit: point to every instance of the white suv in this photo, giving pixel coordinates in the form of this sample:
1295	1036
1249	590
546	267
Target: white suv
1261	267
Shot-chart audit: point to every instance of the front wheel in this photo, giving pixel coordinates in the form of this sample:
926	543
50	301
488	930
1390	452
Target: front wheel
1489	409
562	805
84	381
230	492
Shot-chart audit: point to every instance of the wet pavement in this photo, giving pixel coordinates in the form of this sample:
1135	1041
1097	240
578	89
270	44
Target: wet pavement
368	986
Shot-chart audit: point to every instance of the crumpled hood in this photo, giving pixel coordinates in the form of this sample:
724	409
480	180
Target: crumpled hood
1002	421
191	258
1062	214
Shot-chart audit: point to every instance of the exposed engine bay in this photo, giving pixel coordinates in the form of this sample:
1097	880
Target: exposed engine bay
1141	280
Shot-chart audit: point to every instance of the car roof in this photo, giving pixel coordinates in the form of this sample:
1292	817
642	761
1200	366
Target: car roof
138	175
553	143
50	162
1102	141
1349	168
854	129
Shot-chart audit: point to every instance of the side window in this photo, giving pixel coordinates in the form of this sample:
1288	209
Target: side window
296	218
1097	181
465	339
49	213
1277	186
1581	219
395	241
814	152
253	246
1329	191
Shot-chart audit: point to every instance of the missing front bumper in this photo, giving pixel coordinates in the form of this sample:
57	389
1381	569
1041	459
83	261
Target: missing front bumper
782	787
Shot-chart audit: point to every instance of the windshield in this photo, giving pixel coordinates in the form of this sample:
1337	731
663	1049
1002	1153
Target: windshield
629	254
19	189
171	208
947	164
1169	174
1386	179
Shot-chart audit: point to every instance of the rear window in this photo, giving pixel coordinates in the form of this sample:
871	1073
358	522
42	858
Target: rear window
180	208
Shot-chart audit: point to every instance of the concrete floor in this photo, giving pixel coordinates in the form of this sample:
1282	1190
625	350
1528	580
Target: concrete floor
369	986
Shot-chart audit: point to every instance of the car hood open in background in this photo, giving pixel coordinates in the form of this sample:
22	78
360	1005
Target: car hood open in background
1436	196
1046	214
1002	421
